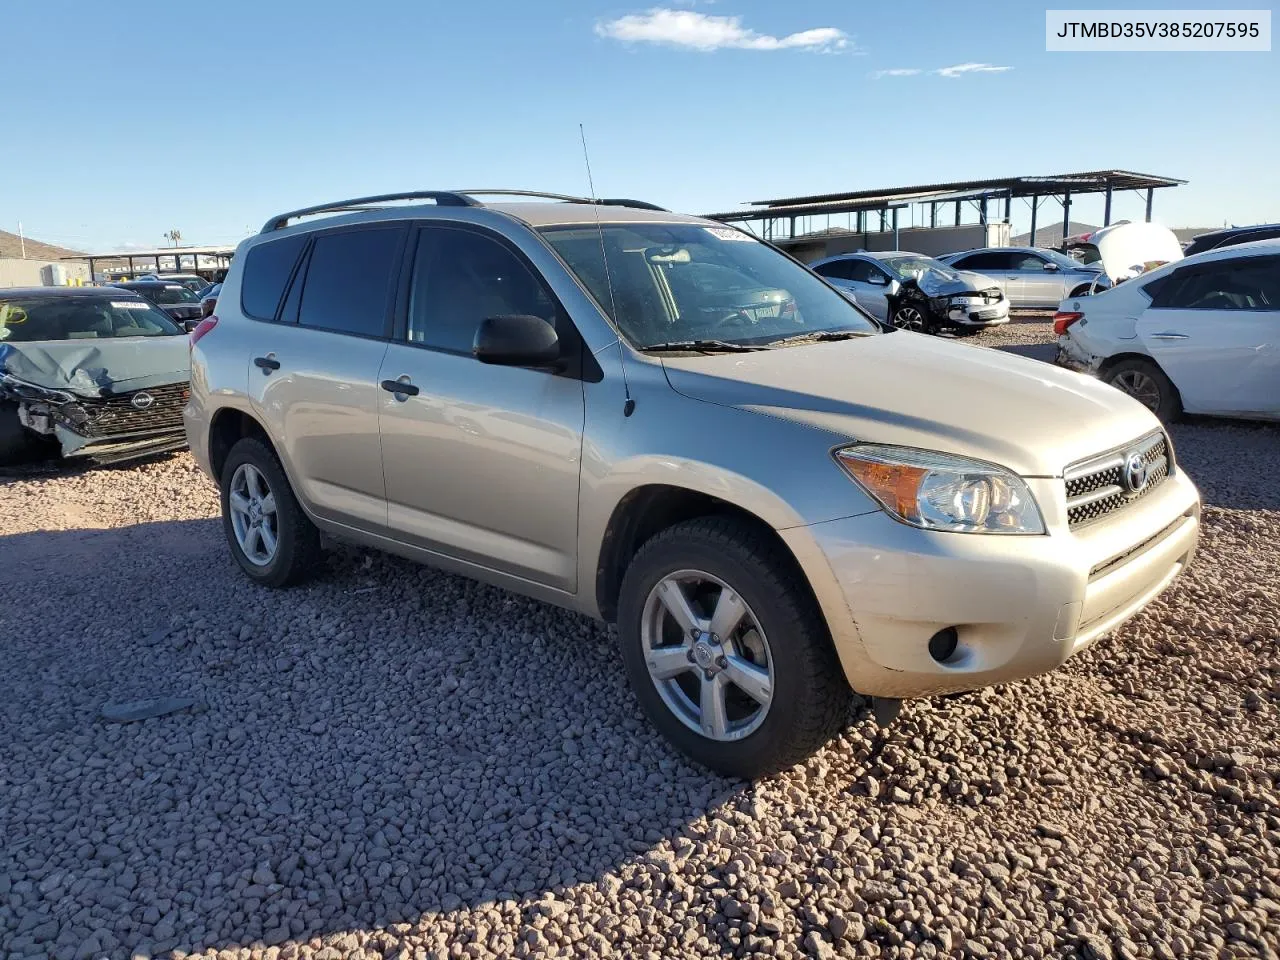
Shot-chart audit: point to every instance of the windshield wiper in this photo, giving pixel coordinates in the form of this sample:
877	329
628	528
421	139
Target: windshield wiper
703	346
816	336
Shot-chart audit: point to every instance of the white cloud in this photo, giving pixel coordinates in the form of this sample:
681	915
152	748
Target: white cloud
896	72
705	33
962	68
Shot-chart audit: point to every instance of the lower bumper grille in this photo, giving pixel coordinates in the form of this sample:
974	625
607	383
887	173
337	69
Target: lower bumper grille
1111	481
140	411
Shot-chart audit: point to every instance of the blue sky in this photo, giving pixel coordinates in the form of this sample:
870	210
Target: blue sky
126	119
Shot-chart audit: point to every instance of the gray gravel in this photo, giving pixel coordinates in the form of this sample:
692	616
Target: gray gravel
399	763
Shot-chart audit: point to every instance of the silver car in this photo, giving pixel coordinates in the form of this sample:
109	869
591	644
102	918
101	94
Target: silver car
774	504
1032	277
915	292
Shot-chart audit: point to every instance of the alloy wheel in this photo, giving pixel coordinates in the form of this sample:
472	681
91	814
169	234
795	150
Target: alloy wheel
707	655
1140	386
909	318
253	515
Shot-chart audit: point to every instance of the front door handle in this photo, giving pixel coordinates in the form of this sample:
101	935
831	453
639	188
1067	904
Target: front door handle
266	364
1168	335
401	388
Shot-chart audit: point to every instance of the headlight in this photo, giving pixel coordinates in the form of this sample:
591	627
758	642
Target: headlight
938	491
31	391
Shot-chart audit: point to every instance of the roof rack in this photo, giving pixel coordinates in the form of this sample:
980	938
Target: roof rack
443	198
446	198
603	202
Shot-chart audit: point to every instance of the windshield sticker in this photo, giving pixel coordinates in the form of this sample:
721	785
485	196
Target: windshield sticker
728	233
130	305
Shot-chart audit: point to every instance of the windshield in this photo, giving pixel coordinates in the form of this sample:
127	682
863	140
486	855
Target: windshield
1085	253
912	266
169	293
81	318
1061	259
674	282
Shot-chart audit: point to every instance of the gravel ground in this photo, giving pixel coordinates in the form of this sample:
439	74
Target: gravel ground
398	763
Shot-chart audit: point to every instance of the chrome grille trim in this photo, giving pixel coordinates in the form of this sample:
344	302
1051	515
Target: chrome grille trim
116	415
1095	489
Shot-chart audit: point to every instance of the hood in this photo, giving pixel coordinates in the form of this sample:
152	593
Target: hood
1128	249
934	283
914	390
96	368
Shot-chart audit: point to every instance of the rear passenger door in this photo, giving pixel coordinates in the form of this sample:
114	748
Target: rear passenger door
998	265
481	461
313	374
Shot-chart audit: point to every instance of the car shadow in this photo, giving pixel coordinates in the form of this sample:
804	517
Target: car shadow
386	743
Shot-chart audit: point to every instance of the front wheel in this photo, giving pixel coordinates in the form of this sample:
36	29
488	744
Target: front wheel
912	316
270	537
726	649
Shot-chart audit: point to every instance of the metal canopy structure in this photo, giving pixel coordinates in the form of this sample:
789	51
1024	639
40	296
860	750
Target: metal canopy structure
220	255
773	214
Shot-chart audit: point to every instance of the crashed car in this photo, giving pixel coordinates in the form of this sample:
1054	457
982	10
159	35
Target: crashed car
915	292
100	371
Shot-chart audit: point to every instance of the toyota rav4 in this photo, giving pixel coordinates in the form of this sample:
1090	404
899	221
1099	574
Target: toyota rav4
663	422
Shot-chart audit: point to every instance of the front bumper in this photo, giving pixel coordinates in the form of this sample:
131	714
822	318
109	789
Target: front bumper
115	449
1020	605
975	315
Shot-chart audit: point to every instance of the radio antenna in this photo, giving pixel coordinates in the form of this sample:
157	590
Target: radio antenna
628	405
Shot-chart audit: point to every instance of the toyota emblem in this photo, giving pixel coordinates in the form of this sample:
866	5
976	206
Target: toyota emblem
1135	473
142	401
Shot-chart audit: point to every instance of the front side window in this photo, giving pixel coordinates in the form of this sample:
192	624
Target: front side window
349	279
1027	261
81	318
1250	283
676	282
460	278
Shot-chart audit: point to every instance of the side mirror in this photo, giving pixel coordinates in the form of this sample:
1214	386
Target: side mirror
1050	267
878	280
516	340
191	324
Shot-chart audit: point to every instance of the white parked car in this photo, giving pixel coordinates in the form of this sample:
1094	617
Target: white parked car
1201	335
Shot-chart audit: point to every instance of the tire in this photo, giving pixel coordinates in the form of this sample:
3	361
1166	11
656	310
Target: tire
15	441
297	555
913	316
1146	383
781	627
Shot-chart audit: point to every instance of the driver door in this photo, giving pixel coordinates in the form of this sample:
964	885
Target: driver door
871	287
1215	331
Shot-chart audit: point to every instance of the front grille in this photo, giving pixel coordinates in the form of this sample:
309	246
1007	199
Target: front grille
1100	485
116	415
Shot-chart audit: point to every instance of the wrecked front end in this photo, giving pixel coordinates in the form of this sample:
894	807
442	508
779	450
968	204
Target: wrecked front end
93	418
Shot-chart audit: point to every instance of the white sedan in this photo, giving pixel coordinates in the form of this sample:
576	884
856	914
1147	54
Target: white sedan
1201	335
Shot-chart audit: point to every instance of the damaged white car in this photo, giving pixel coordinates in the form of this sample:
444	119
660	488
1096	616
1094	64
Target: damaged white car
99	371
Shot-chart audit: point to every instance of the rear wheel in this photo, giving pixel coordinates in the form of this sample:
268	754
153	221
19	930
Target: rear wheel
270	537
1146	383
726	650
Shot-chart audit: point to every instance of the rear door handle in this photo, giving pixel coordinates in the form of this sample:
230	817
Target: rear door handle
1169	336
266	364
403	388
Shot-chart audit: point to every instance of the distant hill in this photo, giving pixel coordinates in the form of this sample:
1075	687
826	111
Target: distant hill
11	246
1051	235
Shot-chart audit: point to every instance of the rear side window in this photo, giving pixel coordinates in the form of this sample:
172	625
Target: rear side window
349	281
267	268
840	269
986	261
1249	283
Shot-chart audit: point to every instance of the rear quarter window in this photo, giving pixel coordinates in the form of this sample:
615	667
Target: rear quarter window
267	269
